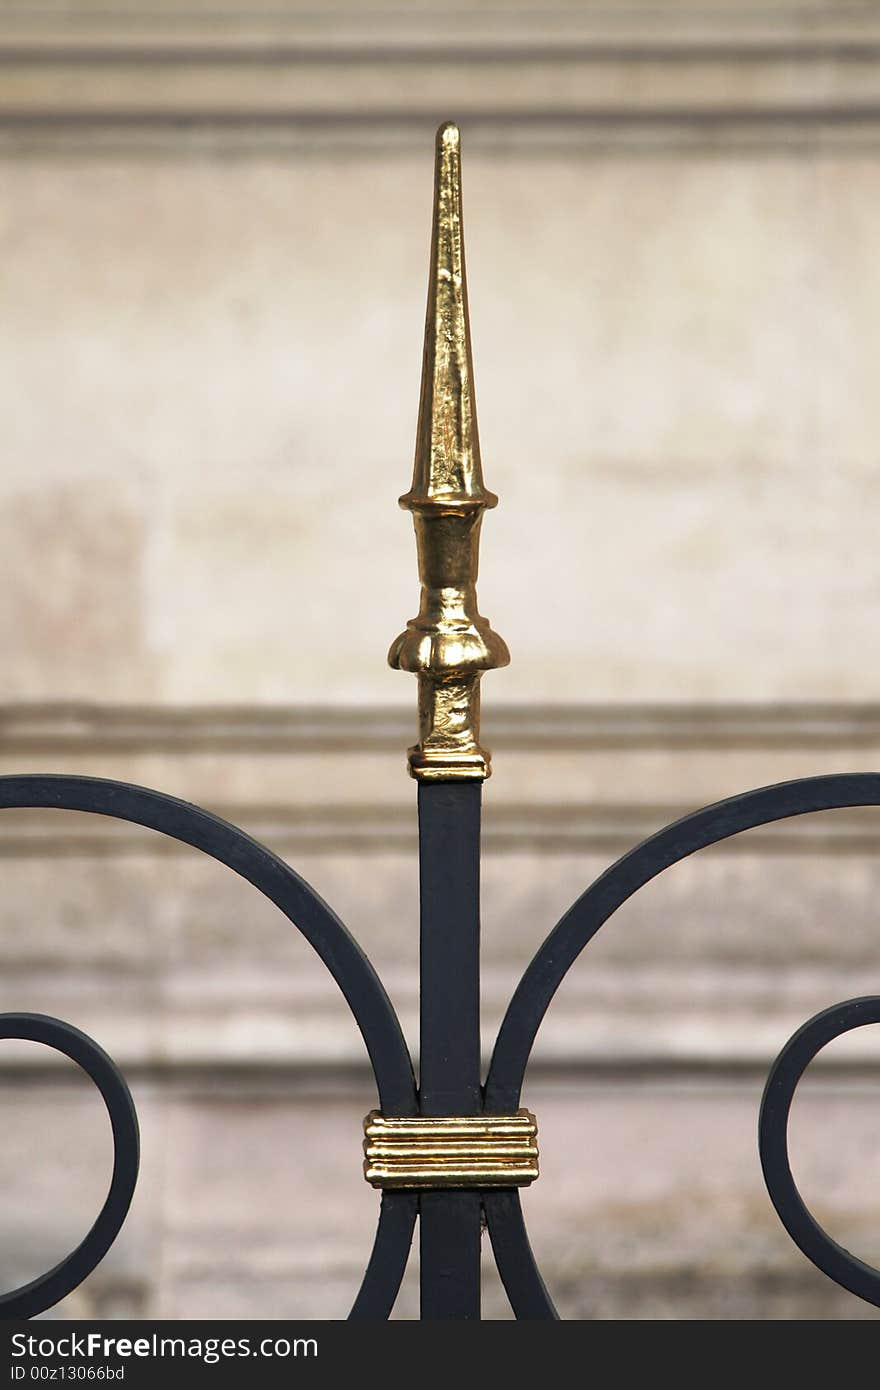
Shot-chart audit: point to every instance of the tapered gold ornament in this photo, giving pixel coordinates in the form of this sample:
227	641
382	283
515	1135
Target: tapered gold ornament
448	645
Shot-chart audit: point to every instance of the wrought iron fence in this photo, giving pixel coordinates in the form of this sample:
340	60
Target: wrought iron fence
451	1151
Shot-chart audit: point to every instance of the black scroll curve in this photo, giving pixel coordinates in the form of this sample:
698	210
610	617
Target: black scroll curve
785	1074
579	925
40	1294
526	1291
276	880
384	1273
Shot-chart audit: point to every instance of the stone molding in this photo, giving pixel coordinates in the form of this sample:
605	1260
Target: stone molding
566	77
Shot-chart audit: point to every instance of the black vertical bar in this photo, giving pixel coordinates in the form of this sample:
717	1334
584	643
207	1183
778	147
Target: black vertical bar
449	878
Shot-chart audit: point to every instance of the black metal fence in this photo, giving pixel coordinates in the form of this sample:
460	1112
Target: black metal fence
453	1149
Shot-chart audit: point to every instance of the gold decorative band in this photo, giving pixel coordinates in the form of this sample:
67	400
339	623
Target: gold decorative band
451	1150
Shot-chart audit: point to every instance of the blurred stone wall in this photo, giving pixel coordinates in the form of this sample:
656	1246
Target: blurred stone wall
214	230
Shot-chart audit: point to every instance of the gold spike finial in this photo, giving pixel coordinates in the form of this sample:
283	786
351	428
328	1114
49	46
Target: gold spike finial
448	645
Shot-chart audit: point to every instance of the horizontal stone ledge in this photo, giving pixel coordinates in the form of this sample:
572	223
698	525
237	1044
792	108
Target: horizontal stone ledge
268	1048
75	727
361	76
769	132
353	24
410	121
261	1078
528	829
564	45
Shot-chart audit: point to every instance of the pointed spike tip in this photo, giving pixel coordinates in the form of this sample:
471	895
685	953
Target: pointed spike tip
447	470
448	134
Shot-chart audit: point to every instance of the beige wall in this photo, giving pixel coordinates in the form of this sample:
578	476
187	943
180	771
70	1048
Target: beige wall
214	228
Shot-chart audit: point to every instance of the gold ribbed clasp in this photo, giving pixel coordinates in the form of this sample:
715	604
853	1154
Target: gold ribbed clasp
448	645
450	1150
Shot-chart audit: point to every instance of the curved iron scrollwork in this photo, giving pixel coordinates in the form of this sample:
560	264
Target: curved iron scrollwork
338	950
845	1269
386	1047
561	949
57	1283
